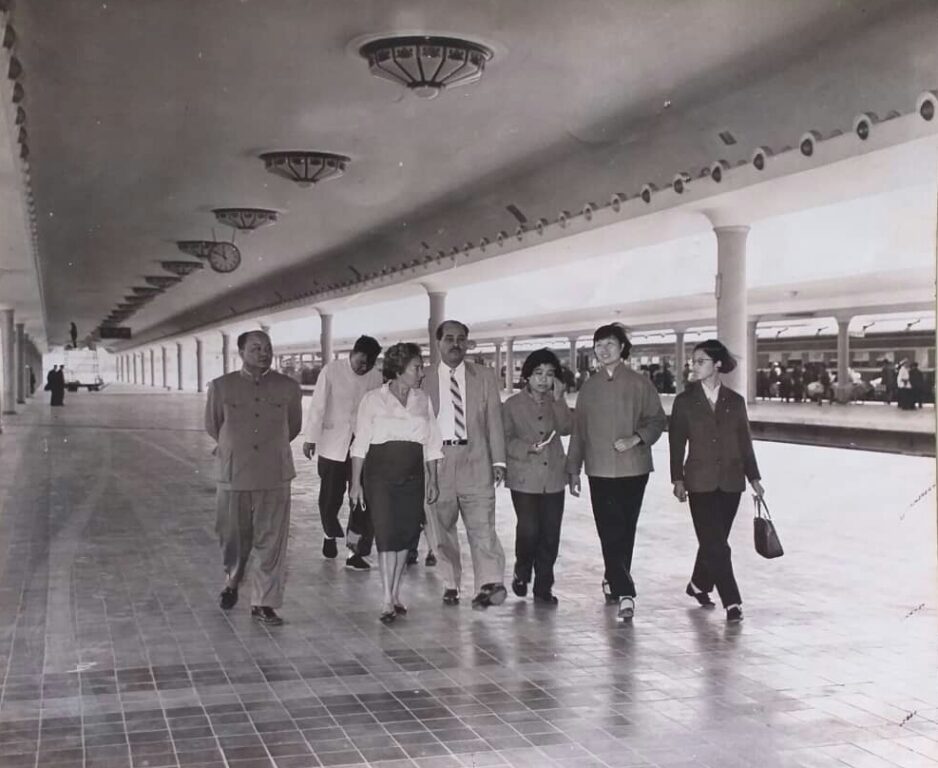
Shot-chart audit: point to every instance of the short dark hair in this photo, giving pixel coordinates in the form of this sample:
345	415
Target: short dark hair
369	347
617	332
439	328
717	351
243	338
397	358
539	357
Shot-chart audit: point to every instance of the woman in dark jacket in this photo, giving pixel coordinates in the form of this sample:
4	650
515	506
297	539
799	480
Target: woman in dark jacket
534	420
712	420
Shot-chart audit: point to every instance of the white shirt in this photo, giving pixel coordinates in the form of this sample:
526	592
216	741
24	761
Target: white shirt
712	394
382	419
446	418
330	417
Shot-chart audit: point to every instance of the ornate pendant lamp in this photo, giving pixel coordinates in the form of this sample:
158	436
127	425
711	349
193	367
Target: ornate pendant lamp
245	219
426	65
162	282
201	249
305	167
181	268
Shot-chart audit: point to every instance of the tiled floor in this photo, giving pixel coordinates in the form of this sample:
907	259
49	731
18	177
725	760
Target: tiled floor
116	655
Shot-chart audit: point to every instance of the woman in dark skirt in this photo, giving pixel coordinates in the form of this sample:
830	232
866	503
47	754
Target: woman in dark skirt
394	464
710	423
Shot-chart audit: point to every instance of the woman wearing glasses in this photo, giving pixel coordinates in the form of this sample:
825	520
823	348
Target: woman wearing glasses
709	423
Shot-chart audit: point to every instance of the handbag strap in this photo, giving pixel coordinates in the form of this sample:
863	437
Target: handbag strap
762	509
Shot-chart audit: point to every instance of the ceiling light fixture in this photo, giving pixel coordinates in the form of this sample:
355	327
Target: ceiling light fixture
245	219
201	249
181	268
426	65
162	282
305	167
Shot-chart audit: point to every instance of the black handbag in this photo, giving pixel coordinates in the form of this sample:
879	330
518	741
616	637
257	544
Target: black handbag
764	533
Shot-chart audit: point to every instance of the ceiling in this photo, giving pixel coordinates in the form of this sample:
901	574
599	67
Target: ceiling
143	116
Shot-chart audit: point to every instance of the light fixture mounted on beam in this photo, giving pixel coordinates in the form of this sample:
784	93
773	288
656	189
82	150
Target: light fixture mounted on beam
305	167
245	219
200	249
426	65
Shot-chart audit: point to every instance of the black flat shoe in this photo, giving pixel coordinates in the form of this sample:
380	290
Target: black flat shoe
548	598
329	548
520	588
451	597
400	610
610	598
701	597
266	615
734	614
229	598
430	560
412	557
387	617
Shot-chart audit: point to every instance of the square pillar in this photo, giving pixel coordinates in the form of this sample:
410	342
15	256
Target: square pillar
9	360
325	338
680	357
199	368
732	301
21	363
179	365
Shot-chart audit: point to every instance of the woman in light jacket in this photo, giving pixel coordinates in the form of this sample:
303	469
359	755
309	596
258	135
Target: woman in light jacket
534	420
711	419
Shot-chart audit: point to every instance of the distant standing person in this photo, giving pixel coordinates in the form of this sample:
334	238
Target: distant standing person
330	424
253	415
618	418
535	419
917	380
711	419
905	397
55	383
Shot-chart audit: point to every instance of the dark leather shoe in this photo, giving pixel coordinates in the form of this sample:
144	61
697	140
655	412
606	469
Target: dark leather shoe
387	617
357	563
490	594
412	557
548	598
266	615
430	560
229	598
400	610
520	588
329	548
701	597
610	598
451	597
734	614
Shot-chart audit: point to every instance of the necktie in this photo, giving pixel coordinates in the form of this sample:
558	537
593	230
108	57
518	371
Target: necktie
459	410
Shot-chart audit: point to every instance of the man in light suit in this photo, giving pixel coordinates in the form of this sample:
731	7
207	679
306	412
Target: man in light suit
468	409
253	414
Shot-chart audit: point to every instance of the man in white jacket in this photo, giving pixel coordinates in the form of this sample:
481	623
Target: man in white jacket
330	420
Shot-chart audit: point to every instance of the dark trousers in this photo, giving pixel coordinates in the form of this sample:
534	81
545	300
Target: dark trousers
537	537
617	502
334	479
713	514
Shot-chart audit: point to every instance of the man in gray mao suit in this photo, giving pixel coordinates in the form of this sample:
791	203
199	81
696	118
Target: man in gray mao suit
468	409
253	414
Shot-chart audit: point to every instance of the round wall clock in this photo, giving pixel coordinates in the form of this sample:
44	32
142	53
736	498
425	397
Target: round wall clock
224	257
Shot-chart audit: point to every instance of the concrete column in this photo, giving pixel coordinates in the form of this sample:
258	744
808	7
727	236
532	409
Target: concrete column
9	362
509	365
152	367
20	363
751	360
225	352
679	357
133	361
843	352
179	365
325	338
199	366
573	341
120	368
732	301
437	316
498	359
164	366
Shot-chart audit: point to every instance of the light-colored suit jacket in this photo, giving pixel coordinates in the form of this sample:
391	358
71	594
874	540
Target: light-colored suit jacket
483	420
253	423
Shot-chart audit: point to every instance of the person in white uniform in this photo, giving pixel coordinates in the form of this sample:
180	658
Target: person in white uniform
330	423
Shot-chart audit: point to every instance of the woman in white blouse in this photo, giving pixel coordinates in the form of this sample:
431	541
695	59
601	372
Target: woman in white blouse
394	456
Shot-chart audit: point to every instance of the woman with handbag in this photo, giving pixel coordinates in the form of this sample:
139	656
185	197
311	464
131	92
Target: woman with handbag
709	420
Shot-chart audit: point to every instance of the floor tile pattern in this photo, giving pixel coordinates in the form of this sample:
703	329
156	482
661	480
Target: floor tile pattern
114	653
